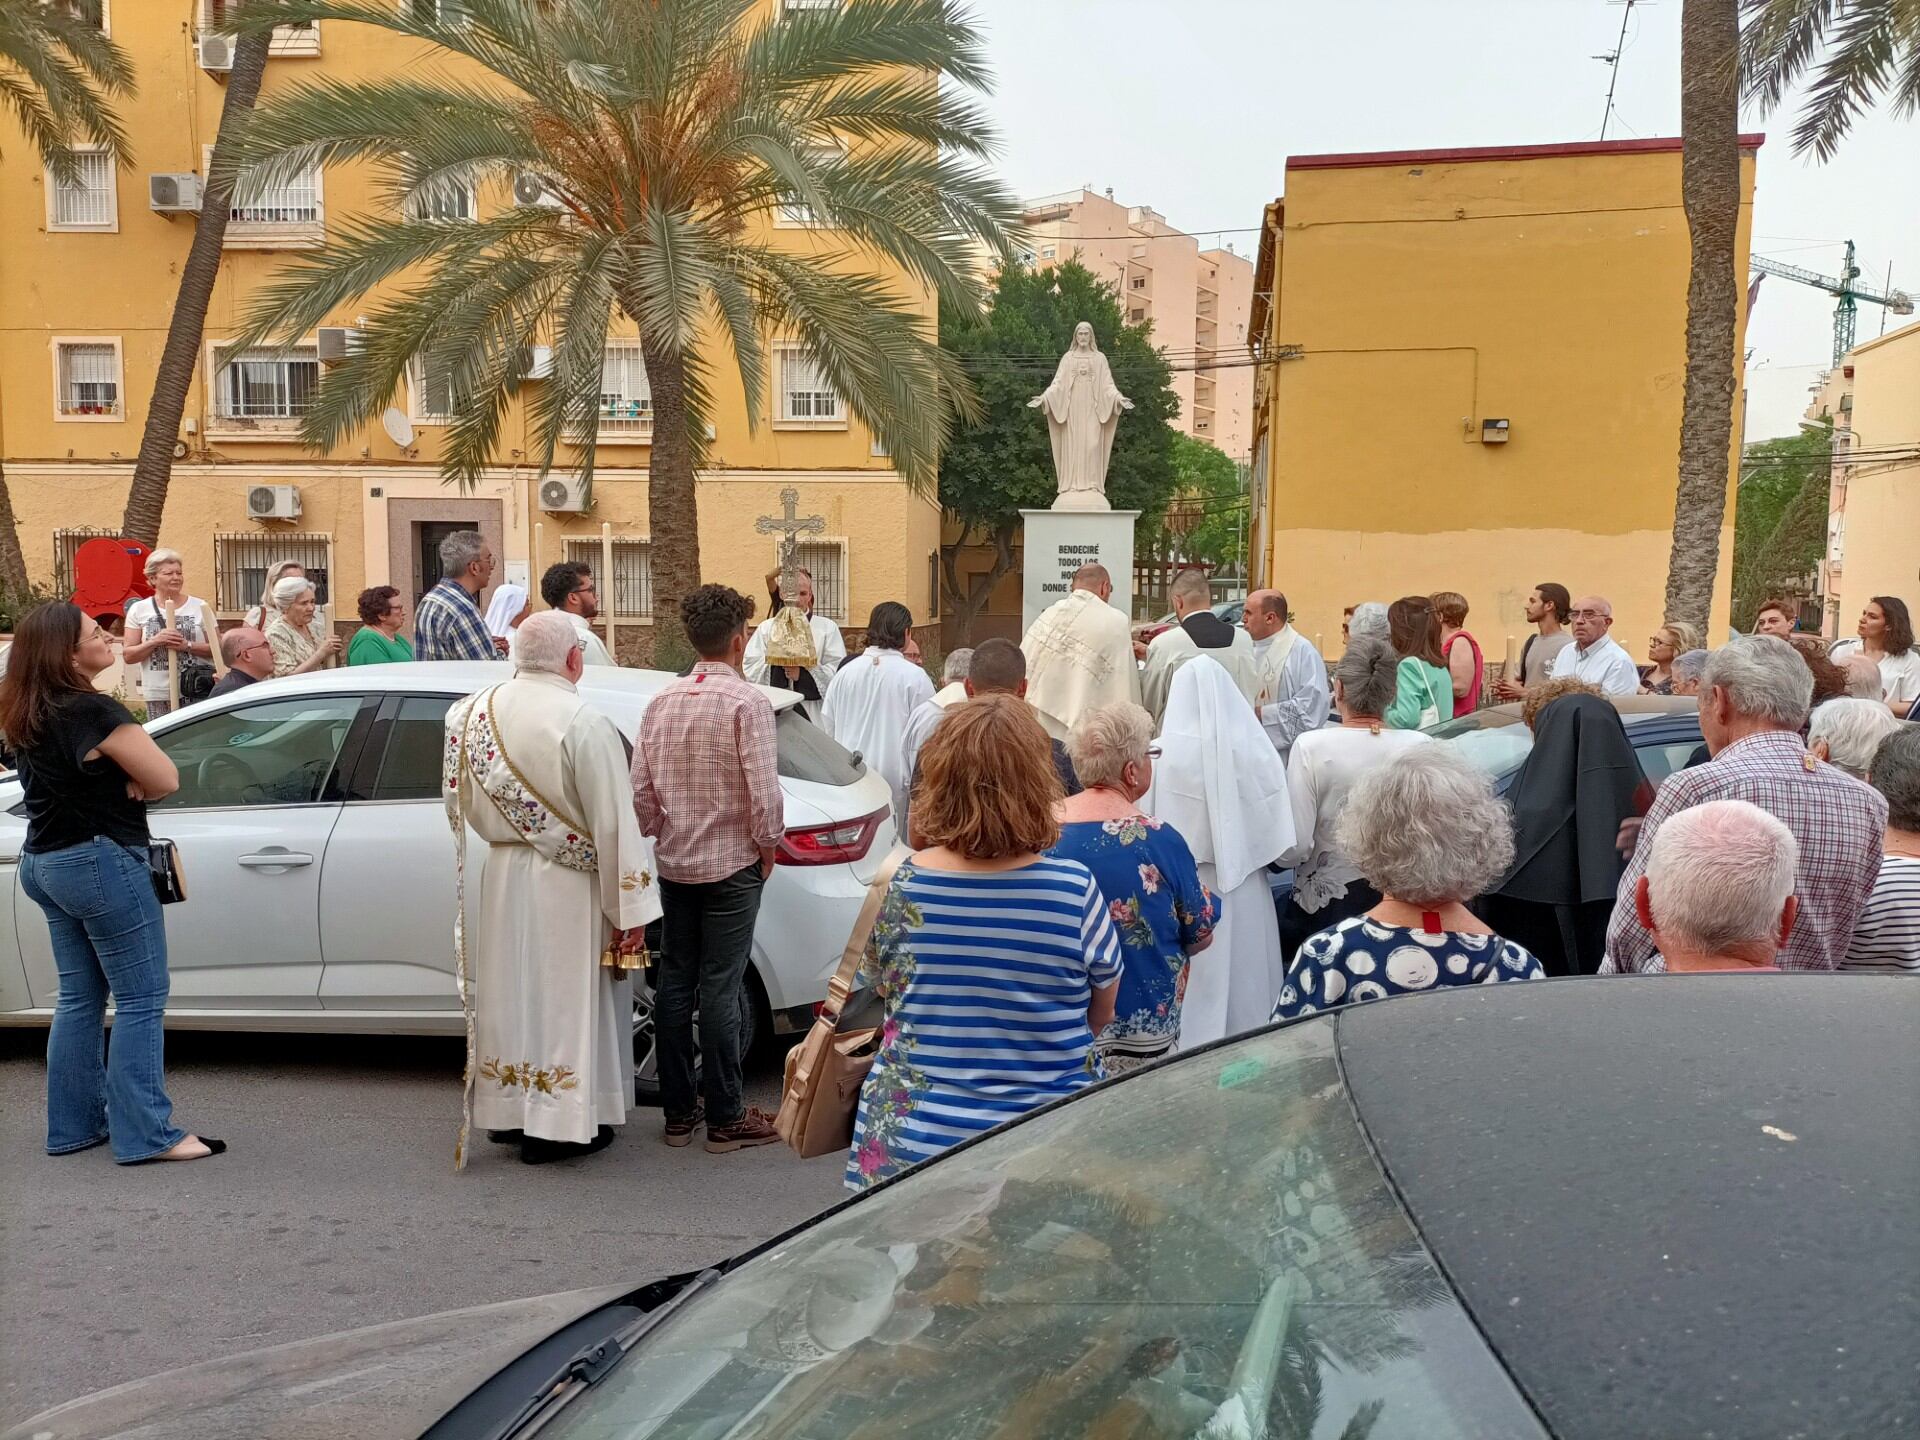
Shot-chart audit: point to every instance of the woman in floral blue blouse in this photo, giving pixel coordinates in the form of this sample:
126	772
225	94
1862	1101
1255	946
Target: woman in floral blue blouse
1159	908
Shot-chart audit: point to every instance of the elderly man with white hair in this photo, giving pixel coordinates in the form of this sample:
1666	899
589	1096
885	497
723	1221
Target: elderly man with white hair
1846	732
1595	656
929	713
1863	676
1887	938
1718	889
1754	697
1688	667
540	776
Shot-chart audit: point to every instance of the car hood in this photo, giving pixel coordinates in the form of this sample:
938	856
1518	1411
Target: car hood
380	1383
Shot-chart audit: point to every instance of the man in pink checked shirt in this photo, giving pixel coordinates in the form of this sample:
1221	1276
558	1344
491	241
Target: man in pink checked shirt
706	790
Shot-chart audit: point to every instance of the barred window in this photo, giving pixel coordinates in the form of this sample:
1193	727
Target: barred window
629	595
88	201
266	384
826	561
89	379
66	544
241	562
626	400
805	393
294	202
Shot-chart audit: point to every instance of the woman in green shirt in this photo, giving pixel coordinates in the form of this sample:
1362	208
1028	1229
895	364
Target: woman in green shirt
1424	694
382	613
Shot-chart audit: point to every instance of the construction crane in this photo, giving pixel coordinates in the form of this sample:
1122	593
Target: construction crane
1849	295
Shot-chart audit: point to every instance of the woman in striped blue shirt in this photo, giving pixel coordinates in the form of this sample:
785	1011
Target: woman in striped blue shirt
997	964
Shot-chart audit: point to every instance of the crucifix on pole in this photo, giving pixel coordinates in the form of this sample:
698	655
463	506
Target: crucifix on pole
790	525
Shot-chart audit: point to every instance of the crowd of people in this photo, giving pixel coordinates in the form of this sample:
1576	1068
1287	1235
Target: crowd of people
1094	830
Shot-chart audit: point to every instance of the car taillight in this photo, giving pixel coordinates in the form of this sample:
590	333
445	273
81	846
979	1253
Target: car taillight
836	844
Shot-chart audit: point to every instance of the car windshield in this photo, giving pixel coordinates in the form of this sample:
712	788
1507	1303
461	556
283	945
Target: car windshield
806	752
1493	741
1208	1247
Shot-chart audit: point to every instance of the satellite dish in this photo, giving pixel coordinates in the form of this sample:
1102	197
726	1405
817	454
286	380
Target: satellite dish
399	429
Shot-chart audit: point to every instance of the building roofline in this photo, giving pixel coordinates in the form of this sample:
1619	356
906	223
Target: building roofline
1908	331
1359	160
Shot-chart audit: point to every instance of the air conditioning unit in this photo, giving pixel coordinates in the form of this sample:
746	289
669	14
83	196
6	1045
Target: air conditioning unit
334	343
216	53
530	189
563	496
174	194
273	502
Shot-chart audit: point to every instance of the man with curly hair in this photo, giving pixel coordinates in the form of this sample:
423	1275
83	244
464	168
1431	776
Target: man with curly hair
706	788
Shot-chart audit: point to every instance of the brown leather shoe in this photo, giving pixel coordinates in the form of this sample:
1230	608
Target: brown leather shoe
755	1127
680	1132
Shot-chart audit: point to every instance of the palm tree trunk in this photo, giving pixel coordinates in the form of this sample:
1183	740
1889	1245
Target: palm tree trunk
180	359
13	562
673	519
1710	193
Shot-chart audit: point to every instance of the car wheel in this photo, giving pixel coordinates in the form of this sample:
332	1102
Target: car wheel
646	1049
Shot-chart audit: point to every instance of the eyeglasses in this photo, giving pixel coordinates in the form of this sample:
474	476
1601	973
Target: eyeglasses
1591	615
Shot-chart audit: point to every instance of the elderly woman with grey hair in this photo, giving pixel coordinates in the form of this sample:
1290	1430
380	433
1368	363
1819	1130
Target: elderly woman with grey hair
1846	732
1688	667
1887	938
1147	874
1428	832
1322	769
300	639
1368	618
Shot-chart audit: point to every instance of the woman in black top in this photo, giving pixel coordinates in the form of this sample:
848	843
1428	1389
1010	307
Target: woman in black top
89	771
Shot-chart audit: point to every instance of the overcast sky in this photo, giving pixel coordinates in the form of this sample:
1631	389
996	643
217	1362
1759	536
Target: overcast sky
1193	109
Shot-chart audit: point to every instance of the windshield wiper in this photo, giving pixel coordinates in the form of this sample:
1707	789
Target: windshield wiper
591	1364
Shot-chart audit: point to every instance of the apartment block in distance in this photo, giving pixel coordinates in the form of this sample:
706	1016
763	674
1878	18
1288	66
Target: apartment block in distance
90	270
1198	301
1471	364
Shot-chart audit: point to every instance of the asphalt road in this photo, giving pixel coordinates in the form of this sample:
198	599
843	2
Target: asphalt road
336	1207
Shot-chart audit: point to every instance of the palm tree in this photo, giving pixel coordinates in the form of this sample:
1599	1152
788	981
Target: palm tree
664	133
58	78
1870	47
1710	194
180	356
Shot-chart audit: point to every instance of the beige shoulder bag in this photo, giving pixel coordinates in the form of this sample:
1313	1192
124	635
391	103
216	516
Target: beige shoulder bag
826	1070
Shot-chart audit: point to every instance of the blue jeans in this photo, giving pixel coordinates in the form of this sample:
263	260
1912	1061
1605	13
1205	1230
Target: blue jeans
108	937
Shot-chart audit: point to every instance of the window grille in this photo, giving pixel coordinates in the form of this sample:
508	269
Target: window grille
432	391
804	391
438	12
297	202
66	544
89	380
266	384
826	561
448	200
88	198
629	596
626	400
241	562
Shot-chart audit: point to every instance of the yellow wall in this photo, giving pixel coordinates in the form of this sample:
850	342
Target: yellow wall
1430	293
1882	535
121	286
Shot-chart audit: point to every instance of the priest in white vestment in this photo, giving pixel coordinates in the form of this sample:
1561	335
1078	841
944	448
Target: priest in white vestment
1220	784
829	651
1294	695
566	879
872	697
1200	632
1080	654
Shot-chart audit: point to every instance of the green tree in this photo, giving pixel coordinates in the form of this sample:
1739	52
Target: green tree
59	77
1205	479
1780	517
664	132
1710	196
1856	51
1003	462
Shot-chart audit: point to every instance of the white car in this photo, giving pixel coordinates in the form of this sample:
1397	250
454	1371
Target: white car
319	863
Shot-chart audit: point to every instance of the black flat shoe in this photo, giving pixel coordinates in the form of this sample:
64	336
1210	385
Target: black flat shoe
506	1137
534	1151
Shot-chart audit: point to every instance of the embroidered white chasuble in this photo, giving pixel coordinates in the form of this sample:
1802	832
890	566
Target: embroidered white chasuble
542	779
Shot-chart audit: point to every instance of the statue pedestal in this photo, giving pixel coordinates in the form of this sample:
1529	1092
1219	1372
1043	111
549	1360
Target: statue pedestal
1059	542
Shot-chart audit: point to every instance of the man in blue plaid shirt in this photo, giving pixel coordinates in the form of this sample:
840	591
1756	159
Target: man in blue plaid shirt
447	624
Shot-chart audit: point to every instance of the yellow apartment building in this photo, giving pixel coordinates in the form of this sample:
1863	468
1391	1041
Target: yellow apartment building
1873	503
1470	379
89	272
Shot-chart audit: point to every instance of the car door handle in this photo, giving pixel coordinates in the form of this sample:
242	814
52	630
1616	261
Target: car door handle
275	860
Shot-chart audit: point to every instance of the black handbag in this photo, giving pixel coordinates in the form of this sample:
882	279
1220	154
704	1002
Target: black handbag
163	865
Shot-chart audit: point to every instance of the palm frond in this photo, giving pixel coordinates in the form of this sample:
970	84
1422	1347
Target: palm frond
1849	52
59	76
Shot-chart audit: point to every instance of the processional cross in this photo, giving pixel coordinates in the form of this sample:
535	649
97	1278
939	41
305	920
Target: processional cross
790	526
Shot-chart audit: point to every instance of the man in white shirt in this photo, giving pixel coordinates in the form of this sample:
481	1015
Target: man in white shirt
1595	656
1200	631
569	588
1294	697
829	650
929	713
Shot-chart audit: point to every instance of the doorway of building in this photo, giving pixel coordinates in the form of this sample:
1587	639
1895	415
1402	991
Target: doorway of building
427	535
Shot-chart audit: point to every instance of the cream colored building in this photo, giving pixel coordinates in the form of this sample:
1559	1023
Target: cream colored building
89	273
1197	300
1873	505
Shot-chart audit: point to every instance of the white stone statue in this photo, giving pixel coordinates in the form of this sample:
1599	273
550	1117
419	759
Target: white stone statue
1083	410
